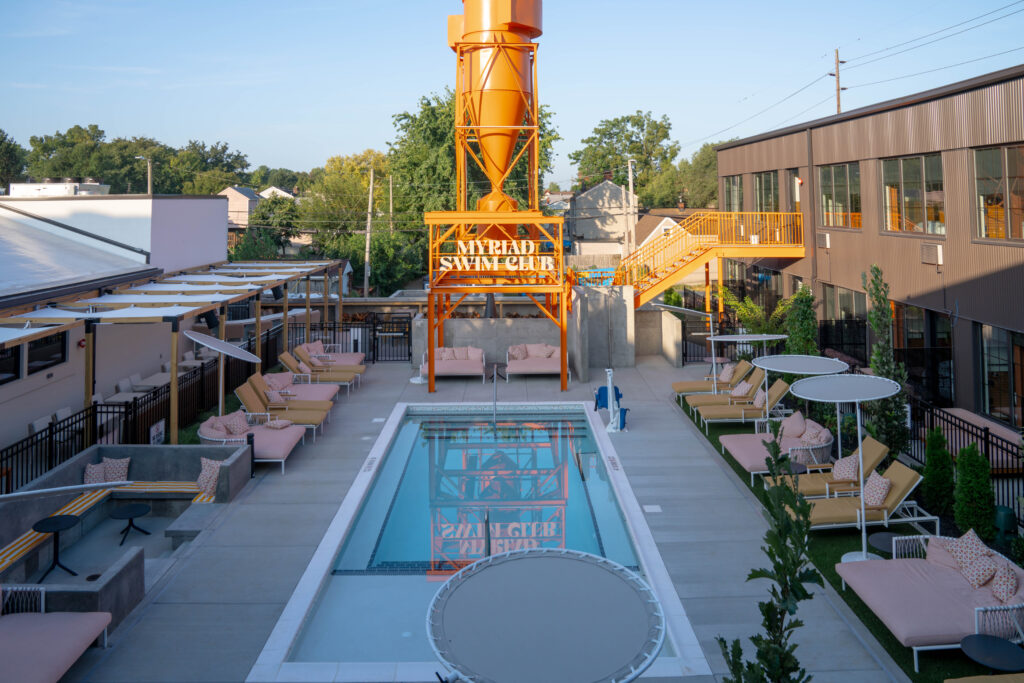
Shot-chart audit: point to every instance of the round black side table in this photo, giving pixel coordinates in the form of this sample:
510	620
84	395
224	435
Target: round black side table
996	653
54	525
130	512
882	540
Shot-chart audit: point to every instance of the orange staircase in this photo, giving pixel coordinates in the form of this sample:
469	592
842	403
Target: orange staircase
667	258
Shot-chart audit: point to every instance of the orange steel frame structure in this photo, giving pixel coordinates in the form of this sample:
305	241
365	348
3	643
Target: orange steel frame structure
548	287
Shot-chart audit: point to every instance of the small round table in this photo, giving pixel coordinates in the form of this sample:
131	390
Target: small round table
130	512
882	540
54	525
996	653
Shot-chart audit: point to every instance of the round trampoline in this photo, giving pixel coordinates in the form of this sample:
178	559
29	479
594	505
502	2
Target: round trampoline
545	616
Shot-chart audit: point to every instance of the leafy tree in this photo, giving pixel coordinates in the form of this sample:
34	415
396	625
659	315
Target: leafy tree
785	545
937	487
554	187
613	142
281	215
395	258
286	179
255	244
75	152
12	160
210	182
753	318
208	169
801	324
665	189
887	417
125	174
974	505
699	177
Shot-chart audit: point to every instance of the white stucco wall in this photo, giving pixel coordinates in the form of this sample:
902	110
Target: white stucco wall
189	231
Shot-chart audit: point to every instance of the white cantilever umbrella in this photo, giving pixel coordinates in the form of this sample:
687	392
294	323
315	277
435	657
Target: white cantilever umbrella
224	349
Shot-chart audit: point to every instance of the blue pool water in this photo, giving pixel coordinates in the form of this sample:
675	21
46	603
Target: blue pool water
450	489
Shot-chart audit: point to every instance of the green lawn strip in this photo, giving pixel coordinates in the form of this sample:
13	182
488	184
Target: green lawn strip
826	549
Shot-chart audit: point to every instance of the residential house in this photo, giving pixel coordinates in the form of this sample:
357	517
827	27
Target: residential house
241	202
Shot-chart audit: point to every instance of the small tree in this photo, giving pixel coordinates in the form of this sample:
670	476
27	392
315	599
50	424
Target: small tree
801	324
888	416
974	504
785	545
752	317
937	487
673	298
254	244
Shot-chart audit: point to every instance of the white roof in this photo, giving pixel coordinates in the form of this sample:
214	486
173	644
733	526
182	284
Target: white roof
844	388
115	314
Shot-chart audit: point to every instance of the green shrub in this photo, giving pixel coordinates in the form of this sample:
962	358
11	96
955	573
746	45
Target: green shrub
937	487
801	325
673	298
974	504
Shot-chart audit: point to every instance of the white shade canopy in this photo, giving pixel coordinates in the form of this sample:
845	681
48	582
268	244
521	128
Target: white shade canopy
844	388
797	364
224	279
114	314
546	616
221	346
182	288
157	299
747	338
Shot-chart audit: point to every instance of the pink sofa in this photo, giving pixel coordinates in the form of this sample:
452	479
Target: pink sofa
533	359
38	646
459	361
269	445
923	599
750	452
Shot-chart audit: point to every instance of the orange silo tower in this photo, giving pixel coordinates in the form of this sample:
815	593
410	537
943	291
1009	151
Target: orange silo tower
496	246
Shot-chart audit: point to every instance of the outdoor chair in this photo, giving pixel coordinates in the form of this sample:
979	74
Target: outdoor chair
137	385
124	386
39	425
755	379
844	511
303	355
253	406
302	392
819	482
707	386
743	413
316	375
261	388
62	414
601	397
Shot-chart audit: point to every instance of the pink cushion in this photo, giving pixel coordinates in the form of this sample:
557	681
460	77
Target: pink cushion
278	380
967	548
276	444
727	372
1004	583
759	398
235	423
316	362
94	473
116	469
740	390
447	353
980	571
353	358
535	366
313	392
460	353
277	424
938	554
274	396
747	449
793	426
316	347
455	367
305	369
38	648
212	429
876	488
517	352
536	350
476	354
846	468
208	475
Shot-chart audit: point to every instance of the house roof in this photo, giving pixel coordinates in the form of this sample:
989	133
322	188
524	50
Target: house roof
246	192
274	190
651	220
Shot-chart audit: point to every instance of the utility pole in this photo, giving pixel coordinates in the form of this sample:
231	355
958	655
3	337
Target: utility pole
149	174
839	109
391	205
630	225
366	255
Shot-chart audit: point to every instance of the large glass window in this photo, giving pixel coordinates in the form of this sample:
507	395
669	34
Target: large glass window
10	364
47	352
912	195
999	187
793	176
841	303
996	387
840	195
733	193
766	191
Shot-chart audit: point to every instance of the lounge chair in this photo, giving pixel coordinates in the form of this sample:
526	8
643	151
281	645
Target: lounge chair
812	447
334	353
316	375
254	406
317	364
289	403
743	413
755	380
819	482
844	511
302	392
137	385
707	386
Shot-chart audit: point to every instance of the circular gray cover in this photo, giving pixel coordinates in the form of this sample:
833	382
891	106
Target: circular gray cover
844	388
546	616
221	346
796	364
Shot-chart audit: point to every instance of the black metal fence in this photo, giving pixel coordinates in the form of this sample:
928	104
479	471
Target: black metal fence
844	339
381	337
1005	457
131	422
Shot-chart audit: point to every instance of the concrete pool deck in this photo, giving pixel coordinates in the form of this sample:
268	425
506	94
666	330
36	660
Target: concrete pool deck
208	617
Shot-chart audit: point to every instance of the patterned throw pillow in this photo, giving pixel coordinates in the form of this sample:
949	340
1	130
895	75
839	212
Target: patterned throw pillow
846	468
460	353
980	571
876	488
207	481
316	347
517	352
550	351
95	474
274	396
235	423
1004	583
476	354
967	549
278	380
740	390
116	470
727	372
759	398
277	424
305	369
793	427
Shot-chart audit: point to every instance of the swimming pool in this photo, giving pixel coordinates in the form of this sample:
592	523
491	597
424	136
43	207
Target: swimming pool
444	486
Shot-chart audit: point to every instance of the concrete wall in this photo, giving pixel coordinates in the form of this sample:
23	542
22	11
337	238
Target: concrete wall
122	350
577	338
594	260
610	326
659	333
189	232
40	394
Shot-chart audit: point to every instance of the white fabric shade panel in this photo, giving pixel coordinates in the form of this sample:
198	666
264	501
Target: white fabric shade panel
13	334
114	314
147	299
182	288
225	279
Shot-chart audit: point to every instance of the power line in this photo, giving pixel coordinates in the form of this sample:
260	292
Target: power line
930	42
801	113
941	68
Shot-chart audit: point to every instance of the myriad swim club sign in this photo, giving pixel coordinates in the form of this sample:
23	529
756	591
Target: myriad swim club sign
497	255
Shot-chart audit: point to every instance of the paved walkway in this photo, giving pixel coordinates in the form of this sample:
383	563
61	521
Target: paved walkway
209	615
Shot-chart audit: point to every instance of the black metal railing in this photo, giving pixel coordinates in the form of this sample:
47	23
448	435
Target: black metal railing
381	337
1005	457
844	339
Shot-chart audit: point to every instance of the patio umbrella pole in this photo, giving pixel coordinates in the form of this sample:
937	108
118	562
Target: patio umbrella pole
863	518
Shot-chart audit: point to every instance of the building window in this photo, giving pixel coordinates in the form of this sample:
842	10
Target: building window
46	352
766	191
840	195
797	283
843	304
913	196
10	364
1002	373
793	175
922	342
733	193
999	186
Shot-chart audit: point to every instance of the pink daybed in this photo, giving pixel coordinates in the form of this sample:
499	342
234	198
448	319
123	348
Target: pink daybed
269	445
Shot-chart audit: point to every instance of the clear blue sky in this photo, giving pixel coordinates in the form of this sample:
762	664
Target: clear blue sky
292	83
